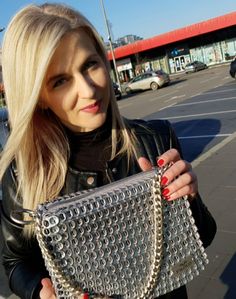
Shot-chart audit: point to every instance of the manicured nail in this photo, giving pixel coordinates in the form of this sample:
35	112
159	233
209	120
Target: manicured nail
86	296
165	192
164	180
160	162
167	197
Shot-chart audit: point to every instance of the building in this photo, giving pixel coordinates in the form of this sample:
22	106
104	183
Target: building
212	42
127	39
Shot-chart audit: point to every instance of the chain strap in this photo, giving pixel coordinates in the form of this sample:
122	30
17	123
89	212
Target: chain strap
53	267
158	245
158	227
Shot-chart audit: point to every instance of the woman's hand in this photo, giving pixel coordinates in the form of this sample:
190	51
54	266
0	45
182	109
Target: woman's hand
178	180
47	291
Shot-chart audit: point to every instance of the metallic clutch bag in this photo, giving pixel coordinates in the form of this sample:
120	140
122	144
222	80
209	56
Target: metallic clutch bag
121	240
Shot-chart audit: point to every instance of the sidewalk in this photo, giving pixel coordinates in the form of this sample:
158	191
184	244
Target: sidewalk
216	172
217	185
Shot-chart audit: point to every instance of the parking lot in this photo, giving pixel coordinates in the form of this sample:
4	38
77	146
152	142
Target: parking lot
202	108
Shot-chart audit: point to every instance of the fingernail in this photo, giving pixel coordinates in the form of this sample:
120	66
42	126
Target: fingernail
165	192
86	296
160	162
167	197
164	180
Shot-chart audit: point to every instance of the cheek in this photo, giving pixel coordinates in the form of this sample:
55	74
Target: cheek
61	101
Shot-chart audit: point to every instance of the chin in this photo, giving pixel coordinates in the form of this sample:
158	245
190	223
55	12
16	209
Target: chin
93	124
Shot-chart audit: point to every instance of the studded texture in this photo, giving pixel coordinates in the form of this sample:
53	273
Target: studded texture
120	239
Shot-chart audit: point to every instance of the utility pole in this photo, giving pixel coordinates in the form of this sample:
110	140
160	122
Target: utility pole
110	43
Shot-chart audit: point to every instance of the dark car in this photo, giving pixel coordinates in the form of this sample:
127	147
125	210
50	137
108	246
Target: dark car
3	127
117	91
232	69
195	66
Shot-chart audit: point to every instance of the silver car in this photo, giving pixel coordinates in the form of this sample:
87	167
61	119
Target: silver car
149	80
195	66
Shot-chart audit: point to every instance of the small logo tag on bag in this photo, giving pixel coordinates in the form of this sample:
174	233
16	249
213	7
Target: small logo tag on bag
177	269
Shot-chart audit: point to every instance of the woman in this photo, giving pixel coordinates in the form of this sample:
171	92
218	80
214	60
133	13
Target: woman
66	134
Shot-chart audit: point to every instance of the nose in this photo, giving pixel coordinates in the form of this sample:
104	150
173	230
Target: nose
86	88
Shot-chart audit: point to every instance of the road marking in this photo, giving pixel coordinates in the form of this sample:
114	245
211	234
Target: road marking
175	97
204	136
206	101
222	90
197	94
207	80
162	96
214	149
168	106
200	114
125	105
181	86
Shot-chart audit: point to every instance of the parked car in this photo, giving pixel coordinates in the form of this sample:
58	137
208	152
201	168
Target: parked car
195	66
232	69
117	91
148	80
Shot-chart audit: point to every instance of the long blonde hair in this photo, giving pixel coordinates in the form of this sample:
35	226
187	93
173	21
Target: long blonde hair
37	141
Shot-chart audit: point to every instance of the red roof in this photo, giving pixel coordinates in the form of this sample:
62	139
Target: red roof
176	35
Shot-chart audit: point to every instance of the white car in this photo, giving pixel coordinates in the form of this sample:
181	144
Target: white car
148	80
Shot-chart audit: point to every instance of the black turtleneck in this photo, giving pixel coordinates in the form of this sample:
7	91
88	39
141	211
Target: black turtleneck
90	151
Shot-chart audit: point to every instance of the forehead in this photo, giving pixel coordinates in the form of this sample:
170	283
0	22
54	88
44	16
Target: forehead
76	44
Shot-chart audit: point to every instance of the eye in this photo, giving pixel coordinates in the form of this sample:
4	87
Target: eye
91	64
59	82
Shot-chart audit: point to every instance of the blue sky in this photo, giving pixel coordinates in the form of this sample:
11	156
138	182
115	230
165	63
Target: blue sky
143	18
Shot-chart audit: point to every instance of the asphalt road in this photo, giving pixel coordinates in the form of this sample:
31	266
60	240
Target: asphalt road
201	106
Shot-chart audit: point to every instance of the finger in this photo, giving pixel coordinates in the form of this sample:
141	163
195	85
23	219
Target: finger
186	190
185	184
144	164
47	291
175	170
171	155
46	282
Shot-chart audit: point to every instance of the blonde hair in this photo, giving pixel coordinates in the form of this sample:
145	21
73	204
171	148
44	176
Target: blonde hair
37	141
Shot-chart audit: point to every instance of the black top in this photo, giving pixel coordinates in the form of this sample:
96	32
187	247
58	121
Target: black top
90	151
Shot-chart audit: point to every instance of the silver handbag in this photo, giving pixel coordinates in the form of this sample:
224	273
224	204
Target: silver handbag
121	240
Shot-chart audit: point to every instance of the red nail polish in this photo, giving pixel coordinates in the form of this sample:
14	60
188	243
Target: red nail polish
86	296
167	197
160	162
165	192
164	180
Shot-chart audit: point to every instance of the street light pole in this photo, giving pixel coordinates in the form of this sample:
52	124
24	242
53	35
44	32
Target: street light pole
110	43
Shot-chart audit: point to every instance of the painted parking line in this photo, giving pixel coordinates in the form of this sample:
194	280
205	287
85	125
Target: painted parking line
205	101
196	95
218	91
214	149
175	97
200	114
168	106
204	136
162	96
208	79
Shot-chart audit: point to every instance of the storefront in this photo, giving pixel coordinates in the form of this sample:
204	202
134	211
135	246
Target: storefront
212	42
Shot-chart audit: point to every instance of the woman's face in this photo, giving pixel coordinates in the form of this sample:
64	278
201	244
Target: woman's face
77	85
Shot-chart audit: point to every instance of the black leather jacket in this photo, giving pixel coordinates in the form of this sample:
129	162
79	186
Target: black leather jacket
22	258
